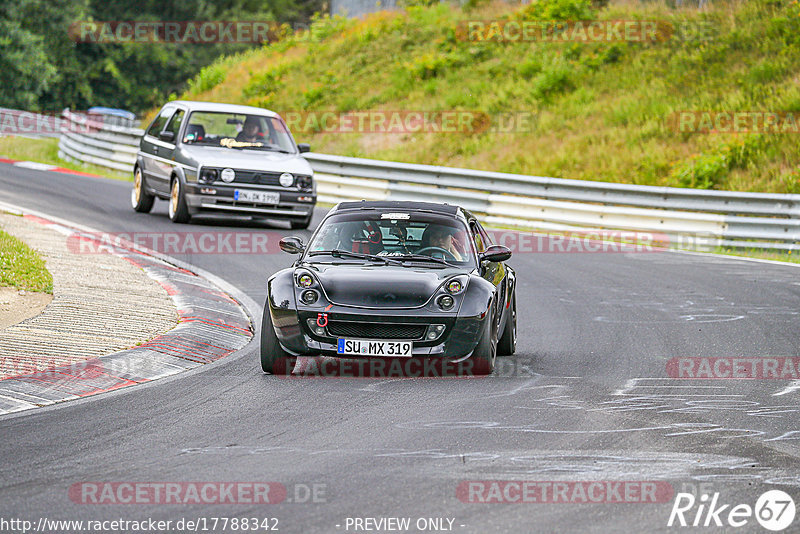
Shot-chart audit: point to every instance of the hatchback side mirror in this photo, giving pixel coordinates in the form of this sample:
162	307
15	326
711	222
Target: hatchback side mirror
167	136
495	254
292	245
303	147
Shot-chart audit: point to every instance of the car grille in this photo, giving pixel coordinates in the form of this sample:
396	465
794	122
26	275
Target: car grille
258	177
376	330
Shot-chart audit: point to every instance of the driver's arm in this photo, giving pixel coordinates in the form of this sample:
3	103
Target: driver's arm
454	246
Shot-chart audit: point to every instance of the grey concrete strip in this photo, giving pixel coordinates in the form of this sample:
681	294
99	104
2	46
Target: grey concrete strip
207	324
101	304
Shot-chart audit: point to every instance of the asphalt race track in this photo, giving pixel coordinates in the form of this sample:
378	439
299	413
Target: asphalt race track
586	398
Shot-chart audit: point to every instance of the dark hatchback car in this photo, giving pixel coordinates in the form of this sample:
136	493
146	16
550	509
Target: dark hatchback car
390	279
208	158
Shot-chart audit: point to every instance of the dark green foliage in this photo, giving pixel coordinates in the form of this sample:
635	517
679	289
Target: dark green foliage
42	68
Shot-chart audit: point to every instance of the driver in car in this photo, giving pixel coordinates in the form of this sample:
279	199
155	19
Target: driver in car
251	131
442	237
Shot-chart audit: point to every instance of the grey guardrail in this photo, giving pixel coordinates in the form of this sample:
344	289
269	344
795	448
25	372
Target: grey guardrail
723	218
88	140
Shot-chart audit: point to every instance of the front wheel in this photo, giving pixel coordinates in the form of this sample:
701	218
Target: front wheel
274	359
141	200
508	342
178	210
483	357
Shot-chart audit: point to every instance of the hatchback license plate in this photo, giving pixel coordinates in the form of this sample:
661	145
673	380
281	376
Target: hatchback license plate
259	197
374	347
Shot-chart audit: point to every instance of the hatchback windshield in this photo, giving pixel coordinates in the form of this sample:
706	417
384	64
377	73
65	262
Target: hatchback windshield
238	131
406	237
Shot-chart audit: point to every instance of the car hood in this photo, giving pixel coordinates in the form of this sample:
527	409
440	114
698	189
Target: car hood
209	156
381	286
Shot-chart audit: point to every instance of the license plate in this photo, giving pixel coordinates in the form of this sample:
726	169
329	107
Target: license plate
373	347
259	197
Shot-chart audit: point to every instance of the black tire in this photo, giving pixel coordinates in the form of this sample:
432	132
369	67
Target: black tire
178	210
302	224
274	359
508	341
141	200
483	357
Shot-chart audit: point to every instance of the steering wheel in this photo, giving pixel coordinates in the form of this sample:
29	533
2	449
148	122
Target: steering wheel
437	249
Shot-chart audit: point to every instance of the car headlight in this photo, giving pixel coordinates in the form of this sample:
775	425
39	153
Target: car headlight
286	179
445	302
309	296
305	280
209	175
456	285
305	183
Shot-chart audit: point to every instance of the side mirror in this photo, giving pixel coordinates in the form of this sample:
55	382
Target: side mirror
292	245
167	136
303	147
495	254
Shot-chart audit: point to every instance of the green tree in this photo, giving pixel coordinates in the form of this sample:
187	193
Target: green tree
25	70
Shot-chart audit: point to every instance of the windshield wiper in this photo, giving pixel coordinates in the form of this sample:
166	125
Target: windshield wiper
271	148
423	257
339	253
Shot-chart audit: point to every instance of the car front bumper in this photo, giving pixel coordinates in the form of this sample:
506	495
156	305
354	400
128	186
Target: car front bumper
459	339
215	198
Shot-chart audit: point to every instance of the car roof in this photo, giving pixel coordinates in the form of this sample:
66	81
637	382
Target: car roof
403	205
222	108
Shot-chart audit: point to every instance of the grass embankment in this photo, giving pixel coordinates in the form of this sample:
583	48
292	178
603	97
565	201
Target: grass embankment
45	150
604	110
21	267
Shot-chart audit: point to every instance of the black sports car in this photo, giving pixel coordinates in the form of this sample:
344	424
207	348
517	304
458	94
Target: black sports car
408	281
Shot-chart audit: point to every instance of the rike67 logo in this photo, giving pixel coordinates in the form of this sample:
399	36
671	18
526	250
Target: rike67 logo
774	510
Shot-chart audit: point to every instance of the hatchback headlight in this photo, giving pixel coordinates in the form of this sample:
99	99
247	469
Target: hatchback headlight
209	175
304	183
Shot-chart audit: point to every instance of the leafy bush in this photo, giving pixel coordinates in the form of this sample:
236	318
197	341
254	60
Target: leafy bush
703	171
555	79
266	83
208	78
557	10
708	171
324	26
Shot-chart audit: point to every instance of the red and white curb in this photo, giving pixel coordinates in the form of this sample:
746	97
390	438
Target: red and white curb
211	326
44	167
